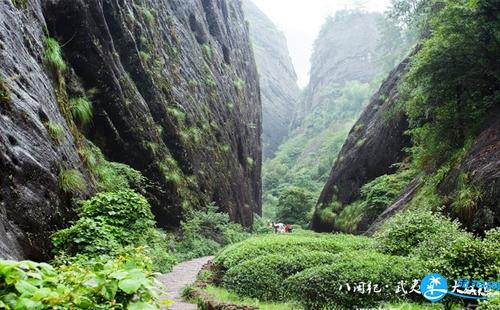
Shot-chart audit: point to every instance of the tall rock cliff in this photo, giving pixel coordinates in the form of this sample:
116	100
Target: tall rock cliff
175	95
278	80
345	50
373	146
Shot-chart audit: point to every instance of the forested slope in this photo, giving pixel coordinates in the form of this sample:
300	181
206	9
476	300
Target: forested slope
439	148
344	70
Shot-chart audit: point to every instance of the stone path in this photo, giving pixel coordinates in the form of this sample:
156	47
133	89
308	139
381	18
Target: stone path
182	275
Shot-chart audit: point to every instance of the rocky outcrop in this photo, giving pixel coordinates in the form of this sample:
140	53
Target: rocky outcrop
278	80
175	94
345	50
479	171
373	146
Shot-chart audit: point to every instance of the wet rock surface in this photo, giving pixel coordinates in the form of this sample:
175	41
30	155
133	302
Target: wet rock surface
173	83
278	80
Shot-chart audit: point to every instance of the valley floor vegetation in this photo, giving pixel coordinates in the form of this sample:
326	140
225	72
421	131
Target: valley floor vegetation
320	271
107	259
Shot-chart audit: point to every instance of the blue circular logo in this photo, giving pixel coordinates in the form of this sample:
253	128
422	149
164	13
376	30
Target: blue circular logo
434	287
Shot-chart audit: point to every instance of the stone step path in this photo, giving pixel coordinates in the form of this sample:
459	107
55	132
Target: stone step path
180	276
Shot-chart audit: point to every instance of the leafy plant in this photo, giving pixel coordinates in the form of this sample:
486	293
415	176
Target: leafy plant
81	108
72	181
114	284
53	55
110	222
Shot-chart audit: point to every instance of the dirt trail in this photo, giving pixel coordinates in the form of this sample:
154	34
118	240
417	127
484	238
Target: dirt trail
182	275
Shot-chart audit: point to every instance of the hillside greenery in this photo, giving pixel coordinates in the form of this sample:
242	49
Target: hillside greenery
304	161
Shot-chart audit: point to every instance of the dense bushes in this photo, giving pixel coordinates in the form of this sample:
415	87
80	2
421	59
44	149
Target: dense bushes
405	231
110	222
262	277
121	283
328	286
287	245
206	231
294	206
442	244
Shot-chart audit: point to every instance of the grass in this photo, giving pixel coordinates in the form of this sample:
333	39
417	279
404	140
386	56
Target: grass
20	4
72	181
81	109
239	84
55	130
177	114
223	295
53	55
5	98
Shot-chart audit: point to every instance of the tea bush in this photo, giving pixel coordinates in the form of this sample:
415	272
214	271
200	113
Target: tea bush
115	284
326	287
405	231
469	257
288	244
262	277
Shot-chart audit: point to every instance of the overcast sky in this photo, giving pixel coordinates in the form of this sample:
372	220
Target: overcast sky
301	21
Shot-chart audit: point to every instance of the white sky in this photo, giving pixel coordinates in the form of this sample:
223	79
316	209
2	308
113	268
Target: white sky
301	21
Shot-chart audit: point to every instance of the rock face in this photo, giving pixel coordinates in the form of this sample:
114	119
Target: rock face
479	168
346	50
373	146
175	94
278	80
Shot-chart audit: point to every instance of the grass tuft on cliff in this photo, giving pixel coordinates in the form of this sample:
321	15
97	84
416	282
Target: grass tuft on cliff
81	109
5	99
55	130
72	181
53	55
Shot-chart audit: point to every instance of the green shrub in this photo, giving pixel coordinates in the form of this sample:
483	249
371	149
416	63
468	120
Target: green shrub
114	284
263	277
288	244
72	181
56	132
110	222
376	196
404	232
326	286
87	236
294	206
53	55
206	231
469	257
81	108
112	176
